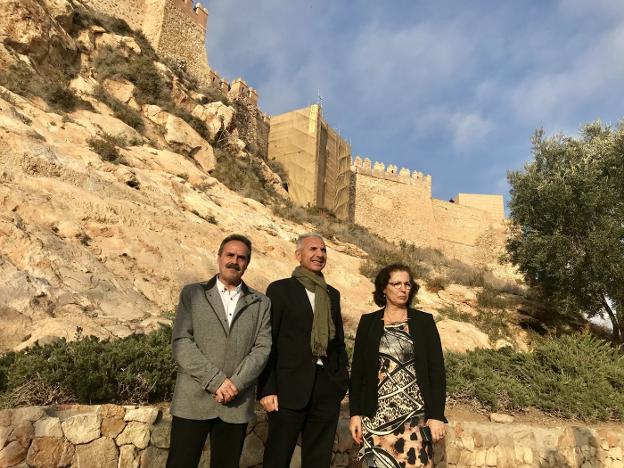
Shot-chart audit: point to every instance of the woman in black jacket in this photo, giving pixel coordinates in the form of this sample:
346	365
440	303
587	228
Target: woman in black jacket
398	383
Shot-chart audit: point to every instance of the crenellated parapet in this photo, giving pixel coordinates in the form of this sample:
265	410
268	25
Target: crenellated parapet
196	12
391	172
239	88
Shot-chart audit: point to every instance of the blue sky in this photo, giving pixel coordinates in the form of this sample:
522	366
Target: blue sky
454	89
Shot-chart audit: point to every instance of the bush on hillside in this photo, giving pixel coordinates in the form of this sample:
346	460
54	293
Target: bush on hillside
120	110
54	89
492	322
574	376
136	369
106	146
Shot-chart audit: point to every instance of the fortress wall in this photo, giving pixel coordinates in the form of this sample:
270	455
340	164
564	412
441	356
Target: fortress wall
131	11
393	207
493	204
460	228
293	142
182	38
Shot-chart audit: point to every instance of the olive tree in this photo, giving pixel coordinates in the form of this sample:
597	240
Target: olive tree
567	222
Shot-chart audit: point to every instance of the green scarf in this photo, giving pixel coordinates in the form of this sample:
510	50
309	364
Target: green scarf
323	329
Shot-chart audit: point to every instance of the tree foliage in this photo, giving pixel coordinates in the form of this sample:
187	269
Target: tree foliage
567	214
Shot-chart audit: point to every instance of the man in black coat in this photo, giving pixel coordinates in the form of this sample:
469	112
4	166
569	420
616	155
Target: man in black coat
306	377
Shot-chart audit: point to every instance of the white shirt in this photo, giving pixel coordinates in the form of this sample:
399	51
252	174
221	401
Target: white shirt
311	297
230	298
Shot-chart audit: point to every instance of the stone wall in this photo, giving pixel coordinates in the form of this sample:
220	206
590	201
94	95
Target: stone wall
459	229
397	204
128	436
493	204
182	38
394	205
131	11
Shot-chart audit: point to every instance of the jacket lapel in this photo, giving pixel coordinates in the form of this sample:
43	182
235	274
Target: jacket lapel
374	337
216	304
247	298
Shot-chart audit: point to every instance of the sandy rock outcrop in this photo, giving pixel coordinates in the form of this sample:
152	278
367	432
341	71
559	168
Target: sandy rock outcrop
216	115
28	28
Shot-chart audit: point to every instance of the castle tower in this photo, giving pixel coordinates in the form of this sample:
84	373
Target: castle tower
316	158
175	29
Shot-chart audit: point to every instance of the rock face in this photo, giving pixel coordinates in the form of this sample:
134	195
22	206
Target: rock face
92	247
470	442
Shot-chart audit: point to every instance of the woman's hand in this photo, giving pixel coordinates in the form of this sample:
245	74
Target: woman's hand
438	431
355	427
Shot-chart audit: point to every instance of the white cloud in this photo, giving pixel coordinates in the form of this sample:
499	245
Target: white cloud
546	95
469	130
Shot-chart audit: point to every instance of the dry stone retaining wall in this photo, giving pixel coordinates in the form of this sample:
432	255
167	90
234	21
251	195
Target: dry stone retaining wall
130	436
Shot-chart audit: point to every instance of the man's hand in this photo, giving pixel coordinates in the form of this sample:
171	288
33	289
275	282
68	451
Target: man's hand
269	403
226	392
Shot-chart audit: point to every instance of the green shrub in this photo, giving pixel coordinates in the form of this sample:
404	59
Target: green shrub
490	299
54	89
243	175
574	376
437	283
106	146
136	369
120	110
6	361
150	85
213	94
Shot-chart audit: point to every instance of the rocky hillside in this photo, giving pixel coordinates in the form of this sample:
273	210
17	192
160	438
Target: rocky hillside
107	202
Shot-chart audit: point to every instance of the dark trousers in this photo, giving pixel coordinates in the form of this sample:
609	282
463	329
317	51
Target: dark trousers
316	422
188	437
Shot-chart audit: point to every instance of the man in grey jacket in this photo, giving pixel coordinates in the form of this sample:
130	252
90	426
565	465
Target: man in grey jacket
221	343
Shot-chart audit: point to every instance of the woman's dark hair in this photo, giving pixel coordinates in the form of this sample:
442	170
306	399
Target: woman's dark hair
382	278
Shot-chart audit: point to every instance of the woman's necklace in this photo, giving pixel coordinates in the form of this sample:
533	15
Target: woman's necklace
400	318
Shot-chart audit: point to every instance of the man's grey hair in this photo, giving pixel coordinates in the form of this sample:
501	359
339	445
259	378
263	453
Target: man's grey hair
303	237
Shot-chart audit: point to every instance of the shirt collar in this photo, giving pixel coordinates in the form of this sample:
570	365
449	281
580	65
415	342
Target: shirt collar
223	288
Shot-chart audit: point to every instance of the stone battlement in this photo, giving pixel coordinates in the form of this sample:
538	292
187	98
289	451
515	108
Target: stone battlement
197	12
391	172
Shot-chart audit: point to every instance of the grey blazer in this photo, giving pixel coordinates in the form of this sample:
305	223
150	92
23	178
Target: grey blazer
207	351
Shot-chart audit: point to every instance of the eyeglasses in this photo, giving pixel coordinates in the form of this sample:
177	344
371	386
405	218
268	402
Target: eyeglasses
398	284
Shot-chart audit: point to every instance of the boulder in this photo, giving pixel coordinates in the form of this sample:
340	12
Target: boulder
101	453
82	428
122	90
135	433
501	418
128	457
29	29
145	415
23	433
13	454
161	432
48	427
153	456
460	337
216	115
50	452
205	157
118	42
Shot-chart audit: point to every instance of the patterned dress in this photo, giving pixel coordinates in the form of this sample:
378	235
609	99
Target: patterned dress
392	437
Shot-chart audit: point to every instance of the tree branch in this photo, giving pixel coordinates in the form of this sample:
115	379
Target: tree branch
617	335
